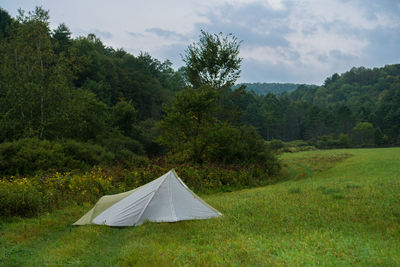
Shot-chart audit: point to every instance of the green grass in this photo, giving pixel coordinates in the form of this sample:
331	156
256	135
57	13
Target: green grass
336	208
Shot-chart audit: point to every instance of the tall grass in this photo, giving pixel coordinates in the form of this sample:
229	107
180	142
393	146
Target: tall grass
335	213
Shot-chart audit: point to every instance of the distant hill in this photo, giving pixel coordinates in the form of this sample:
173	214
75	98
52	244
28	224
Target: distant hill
357	88
358	103
265	88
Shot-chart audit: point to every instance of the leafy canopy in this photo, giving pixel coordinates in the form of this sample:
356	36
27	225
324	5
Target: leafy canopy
214	60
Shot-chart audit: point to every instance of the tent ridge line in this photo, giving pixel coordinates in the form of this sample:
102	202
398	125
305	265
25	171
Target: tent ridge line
151	198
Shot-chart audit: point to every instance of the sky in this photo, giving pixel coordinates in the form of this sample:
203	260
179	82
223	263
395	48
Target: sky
298	41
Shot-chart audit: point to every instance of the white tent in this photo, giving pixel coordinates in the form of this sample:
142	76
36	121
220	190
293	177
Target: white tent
166	199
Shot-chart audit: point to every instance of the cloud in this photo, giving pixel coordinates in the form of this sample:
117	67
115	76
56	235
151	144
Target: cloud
166	34
307	37
135	34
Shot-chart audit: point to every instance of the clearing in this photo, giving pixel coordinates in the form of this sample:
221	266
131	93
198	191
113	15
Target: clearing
336	208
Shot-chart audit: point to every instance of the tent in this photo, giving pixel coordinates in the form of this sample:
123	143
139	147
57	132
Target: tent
166	199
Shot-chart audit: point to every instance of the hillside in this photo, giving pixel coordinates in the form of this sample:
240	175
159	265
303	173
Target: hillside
337	208
356	88
361	105
266	88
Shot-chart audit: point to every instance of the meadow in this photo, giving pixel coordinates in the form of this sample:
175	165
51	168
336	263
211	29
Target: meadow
334	208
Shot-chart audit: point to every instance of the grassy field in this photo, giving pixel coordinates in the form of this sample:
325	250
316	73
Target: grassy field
336	208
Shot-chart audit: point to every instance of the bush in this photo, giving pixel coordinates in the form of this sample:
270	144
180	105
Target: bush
89	186
203	178
31	155
28	196
244	146
84	155
276	144
115	141
293	146
298	143
19	197
27	156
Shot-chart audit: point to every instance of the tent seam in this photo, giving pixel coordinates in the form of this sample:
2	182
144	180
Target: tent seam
173	213
148	202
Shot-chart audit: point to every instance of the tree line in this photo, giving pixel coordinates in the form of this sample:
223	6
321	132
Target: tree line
75	100
54	87
92	103
360	107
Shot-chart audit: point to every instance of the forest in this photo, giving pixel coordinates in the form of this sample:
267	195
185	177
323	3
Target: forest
359	108
70	103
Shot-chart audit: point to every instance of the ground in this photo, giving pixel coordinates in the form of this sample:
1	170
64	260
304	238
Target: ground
335	208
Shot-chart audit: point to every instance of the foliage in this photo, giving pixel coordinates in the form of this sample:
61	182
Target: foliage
213	60
86	154
364	134
294	146
68	103
193	133
189	122
28	196
266	88
34	80
332	110
31	155
201	124
5	22
19	198
53	86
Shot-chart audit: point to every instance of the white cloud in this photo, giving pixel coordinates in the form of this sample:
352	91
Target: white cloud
272	55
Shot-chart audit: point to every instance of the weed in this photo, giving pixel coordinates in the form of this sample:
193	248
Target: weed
353	186
294	190
329	191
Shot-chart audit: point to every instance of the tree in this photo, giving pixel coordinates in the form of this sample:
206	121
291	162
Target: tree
189	122
35	81
214	60
364	133
5	22
344	119
62	36
85	117
199	125
124	117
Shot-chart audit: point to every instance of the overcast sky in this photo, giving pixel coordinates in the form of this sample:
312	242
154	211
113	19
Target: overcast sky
301	41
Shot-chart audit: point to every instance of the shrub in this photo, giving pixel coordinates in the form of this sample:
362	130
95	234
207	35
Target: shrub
19	197
84	155
293	146
244	146
202	178
115	141
89	186
28	196
26	156
31	155
276	144
298	143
